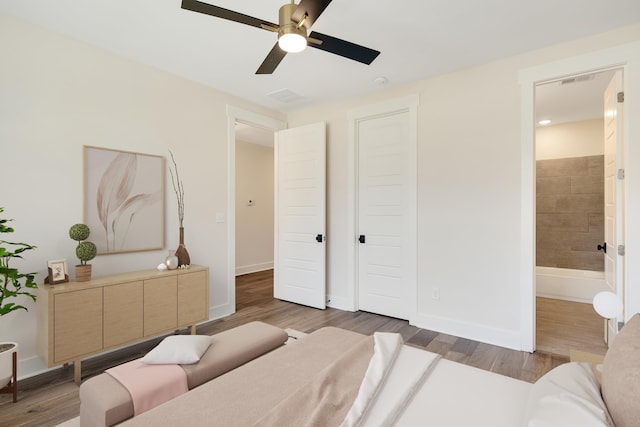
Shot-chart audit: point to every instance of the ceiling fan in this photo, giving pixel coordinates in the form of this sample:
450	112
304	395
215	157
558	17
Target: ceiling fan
294	21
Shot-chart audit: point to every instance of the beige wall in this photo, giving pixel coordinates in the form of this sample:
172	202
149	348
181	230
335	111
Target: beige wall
469	192
576	139
254	224
56	95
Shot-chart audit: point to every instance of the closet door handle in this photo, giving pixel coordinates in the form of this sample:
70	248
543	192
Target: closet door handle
361	239
319	238
603	247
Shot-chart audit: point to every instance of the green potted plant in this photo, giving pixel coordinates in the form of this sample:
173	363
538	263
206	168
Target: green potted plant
13	284
85	251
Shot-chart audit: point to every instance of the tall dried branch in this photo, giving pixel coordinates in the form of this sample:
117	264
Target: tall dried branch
178	187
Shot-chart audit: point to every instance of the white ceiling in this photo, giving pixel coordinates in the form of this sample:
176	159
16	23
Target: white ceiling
572	99
417	39
254	135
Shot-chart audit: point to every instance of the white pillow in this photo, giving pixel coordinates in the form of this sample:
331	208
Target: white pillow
178	349
568	395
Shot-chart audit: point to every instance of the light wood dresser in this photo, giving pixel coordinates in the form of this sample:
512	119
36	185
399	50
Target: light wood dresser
79	319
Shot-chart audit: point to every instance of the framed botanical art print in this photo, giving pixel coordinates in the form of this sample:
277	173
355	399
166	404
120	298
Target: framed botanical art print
124	200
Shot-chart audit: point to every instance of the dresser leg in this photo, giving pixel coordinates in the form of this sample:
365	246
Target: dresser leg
77	371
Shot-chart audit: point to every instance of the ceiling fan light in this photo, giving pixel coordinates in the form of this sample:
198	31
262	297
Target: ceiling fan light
292	42
292	38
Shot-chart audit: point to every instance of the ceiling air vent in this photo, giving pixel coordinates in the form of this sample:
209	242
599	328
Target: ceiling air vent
285	95
577	79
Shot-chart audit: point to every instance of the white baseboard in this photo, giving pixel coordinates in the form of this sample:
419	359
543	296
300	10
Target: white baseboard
31	366
220	311
254	268
473	331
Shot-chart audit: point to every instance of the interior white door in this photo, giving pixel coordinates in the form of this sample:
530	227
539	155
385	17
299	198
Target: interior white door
386	251
300	181
613	179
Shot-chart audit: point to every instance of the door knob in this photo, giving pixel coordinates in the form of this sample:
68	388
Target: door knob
361	238
603	247
319	238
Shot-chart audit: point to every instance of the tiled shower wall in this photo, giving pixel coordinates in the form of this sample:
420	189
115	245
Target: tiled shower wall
570	213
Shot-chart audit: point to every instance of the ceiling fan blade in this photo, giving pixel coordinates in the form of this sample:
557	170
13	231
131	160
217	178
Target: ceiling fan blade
272	60
344	48
313	9
219	12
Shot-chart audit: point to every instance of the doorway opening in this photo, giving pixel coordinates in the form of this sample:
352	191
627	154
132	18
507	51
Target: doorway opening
254	220
254	199
570	212
253	123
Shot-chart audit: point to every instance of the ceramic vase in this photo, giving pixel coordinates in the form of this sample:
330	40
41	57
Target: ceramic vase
171	261
181	252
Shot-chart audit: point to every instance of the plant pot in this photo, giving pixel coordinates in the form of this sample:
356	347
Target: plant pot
83	273
6	361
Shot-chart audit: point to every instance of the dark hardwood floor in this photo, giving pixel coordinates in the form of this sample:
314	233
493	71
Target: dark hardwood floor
51	398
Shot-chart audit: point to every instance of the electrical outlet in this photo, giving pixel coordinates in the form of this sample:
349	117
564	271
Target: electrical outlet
435	294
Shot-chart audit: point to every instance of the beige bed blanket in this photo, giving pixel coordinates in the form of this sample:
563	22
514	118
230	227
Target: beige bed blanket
328	396
246	396
360	389
300	384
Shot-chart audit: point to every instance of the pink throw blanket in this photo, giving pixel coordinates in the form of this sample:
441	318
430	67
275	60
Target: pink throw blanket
150	385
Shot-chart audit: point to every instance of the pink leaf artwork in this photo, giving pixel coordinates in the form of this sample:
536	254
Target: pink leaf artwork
114	200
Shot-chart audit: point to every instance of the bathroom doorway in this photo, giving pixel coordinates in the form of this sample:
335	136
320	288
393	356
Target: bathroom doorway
570	217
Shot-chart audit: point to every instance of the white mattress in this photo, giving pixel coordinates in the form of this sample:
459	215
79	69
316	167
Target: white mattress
459	395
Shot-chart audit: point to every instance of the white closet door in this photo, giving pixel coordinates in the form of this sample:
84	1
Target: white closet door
386	214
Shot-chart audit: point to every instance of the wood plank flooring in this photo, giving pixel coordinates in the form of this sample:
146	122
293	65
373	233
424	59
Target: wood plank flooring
52	398
564	325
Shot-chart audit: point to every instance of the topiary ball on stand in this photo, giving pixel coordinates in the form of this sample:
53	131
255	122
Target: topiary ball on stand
85	251
79	232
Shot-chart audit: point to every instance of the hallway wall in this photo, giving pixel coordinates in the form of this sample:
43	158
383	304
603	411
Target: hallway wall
254	222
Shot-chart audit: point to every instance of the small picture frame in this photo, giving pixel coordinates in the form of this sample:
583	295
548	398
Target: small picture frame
58	271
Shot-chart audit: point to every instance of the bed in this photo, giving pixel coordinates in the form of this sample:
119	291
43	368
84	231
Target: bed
335	377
